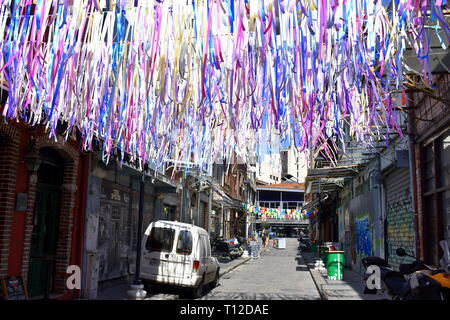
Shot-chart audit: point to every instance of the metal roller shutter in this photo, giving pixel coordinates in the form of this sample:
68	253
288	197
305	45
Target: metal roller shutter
399	214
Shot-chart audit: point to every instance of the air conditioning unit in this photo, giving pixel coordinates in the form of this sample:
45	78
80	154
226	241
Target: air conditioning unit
402	159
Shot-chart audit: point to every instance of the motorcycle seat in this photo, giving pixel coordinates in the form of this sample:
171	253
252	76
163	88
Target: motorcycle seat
372	260
397	284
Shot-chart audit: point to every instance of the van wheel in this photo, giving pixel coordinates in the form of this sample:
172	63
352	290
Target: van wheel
197	292
215	282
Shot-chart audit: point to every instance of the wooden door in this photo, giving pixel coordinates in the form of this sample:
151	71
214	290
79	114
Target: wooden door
44	238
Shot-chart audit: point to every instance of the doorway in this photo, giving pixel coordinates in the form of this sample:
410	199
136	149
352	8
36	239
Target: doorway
44	238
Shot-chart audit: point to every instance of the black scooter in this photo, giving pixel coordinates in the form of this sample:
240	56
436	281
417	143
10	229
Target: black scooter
399	286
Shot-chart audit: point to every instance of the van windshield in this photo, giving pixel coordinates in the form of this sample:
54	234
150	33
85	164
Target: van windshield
160	239
184	244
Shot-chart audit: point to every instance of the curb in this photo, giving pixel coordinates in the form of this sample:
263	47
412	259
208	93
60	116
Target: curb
234	267
317	278
316	275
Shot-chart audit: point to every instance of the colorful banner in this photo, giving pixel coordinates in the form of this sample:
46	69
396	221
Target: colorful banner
195	81
276	213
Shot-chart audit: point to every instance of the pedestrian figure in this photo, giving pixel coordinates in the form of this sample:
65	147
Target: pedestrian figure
263	238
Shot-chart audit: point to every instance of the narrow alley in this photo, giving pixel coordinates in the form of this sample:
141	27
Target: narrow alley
279	274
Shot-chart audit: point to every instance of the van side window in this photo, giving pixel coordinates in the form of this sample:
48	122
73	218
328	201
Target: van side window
208	247
160	239
184	243
205	247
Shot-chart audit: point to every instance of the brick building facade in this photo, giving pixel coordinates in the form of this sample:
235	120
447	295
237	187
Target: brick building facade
234	187
41	215
430	136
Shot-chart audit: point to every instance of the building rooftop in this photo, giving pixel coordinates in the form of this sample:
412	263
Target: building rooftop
290	185
260	182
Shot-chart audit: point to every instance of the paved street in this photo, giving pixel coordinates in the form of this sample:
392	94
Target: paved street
278	275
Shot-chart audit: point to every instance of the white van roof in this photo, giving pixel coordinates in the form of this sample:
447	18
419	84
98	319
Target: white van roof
168	223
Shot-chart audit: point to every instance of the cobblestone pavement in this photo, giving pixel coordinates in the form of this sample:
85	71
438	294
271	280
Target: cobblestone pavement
280	274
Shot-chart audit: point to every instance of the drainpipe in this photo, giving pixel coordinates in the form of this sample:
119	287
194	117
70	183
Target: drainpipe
85	285
209	210
382	217
413	182
139	235
86	163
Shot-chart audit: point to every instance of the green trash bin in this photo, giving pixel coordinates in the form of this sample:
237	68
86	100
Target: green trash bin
324	254
335	265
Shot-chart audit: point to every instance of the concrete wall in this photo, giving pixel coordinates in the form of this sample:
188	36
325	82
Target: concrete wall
270	166
299	172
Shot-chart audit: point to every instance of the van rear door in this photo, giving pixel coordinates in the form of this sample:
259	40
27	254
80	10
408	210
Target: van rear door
182	259
158	247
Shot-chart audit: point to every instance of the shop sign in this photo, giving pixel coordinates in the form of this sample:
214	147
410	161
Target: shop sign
114	194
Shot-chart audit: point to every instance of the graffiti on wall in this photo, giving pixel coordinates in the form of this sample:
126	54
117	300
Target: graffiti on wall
400	228
363	236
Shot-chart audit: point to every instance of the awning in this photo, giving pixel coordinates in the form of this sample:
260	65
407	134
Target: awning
161	181
328	179
326	185
310	205
332	172
220	198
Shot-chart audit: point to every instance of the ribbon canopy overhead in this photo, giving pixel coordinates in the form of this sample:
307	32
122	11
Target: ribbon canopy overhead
196	80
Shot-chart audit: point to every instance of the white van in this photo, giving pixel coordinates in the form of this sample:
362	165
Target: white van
178	254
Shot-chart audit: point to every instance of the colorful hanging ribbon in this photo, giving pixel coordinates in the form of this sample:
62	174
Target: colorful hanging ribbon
194	82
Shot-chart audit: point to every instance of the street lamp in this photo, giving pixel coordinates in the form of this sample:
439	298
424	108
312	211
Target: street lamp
137	291
32	159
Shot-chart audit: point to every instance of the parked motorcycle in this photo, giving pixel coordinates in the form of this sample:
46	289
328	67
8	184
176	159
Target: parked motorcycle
228	248
304	244
413	281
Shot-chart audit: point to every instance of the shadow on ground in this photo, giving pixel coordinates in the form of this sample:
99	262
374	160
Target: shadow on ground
166	290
